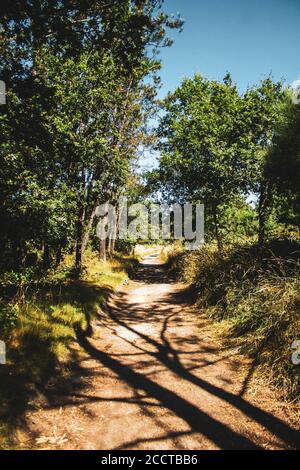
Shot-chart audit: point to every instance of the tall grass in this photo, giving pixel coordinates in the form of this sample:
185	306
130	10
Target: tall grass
255	298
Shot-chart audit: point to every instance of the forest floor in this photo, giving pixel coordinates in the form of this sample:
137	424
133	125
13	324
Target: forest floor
151	374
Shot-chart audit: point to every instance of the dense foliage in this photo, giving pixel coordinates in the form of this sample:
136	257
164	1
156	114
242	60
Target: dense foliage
216	145
81	80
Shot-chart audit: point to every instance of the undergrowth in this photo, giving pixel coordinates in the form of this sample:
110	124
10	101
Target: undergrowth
255	297
38	320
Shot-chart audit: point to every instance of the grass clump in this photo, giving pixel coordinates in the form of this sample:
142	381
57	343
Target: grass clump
255	297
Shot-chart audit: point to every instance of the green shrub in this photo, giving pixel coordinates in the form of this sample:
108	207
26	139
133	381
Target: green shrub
8	317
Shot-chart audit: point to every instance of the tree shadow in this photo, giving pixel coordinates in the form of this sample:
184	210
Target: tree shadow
126	315
148	394
199	421
33	350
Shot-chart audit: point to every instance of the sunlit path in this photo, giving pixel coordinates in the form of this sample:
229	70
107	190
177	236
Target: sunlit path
153	377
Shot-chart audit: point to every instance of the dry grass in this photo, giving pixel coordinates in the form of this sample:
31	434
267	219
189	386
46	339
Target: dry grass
256	301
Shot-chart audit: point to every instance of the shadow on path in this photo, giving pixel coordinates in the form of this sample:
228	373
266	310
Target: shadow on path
126	314
224	437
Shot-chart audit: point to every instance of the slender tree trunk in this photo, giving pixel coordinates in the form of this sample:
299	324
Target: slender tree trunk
217	231
46	256
102	250
58	255
80	221
87	233
78	249
263	205
113	235
109	246
113	245
102	241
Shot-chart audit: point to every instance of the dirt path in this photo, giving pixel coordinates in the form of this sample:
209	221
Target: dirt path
153	377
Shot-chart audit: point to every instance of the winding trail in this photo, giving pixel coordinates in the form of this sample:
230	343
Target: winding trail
153	376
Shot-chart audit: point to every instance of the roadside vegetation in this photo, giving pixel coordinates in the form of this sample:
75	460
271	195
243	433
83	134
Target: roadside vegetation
254	300
39	320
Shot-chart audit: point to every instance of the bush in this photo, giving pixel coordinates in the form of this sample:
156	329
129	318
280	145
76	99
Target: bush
256	298
8	317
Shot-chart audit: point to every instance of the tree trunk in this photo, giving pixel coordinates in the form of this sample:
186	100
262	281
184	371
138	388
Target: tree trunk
102	241
46	256
58	255
113	235
86	236
263	212
113	244
102	250
78	250
109	246
217	231
82	202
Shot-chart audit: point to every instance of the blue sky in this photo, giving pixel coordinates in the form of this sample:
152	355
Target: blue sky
249	38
